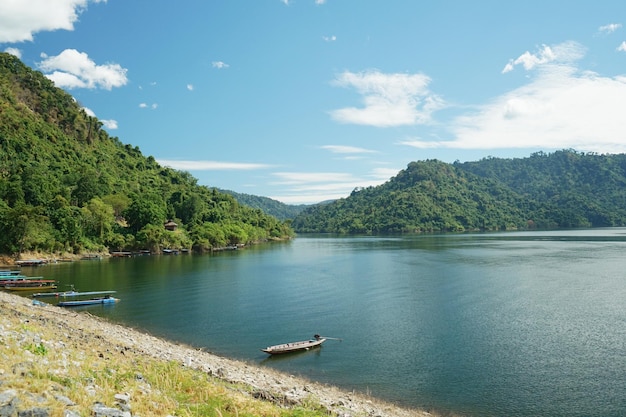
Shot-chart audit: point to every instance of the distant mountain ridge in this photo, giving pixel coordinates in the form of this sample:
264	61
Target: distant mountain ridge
565	189
270	206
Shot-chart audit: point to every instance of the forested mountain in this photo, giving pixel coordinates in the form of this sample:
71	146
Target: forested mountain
565	189
574	189
272	207
66	185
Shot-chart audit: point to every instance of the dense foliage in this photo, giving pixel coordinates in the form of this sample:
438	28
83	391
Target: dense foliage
572	189
565	189
66	185
272	207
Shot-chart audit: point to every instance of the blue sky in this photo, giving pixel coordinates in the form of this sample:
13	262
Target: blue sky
305	100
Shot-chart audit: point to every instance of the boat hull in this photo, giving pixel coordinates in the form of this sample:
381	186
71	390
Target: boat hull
93	301
24	280
294	347
70	294
37	287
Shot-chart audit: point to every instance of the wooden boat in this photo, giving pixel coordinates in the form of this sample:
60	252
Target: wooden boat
8	279
31	262
30	285
91	301
91	257
295	346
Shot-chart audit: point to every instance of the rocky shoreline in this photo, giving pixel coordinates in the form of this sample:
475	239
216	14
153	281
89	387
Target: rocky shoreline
264	383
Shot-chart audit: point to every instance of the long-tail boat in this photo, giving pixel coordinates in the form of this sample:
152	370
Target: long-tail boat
316	341
29	284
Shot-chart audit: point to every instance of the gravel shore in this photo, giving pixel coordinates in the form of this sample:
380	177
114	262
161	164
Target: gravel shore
267	383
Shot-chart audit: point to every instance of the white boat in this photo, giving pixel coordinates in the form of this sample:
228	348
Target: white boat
71	293
295	346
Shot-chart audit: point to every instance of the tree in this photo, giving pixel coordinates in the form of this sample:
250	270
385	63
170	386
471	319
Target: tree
23	228
145	211
152	237
99	218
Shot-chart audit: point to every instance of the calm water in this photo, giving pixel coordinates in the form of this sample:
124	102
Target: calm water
510	324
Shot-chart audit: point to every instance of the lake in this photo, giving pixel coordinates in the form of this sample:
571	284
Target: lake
492	324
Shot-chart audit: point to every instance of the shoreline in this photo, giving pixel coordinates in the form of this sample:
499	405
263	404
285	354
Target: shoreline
272	385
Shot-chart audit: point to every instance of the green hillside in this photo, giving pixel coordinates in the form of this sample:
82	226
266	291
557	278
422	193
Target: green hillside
66	185
573	189
272	207
565	189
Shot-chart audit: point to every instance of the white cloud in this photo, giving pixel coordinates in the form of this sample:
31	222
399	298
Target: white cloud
346	149
110	124
583	112
73	69
560	108
319	2
331	38
528	60
384	174
313	187
210	165
190	87
21	19
14	51
311	177
622	47
389	99
220	65
564	53
312	198
610	28
152	106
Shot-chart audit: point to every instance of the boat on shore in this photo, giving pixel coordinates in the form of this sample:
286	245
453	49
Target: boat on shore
108	299
29	284
31	262
316	341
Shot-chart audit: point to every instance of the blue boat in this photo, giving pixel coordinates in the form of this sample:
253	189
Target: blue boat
12	272
91	301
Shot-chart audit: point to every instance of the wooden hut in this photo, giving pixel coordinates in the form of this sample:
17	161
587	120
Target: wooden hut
170	225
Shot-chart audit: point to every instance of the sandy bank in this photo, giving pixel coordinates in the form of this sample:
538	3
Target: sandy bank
263	380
